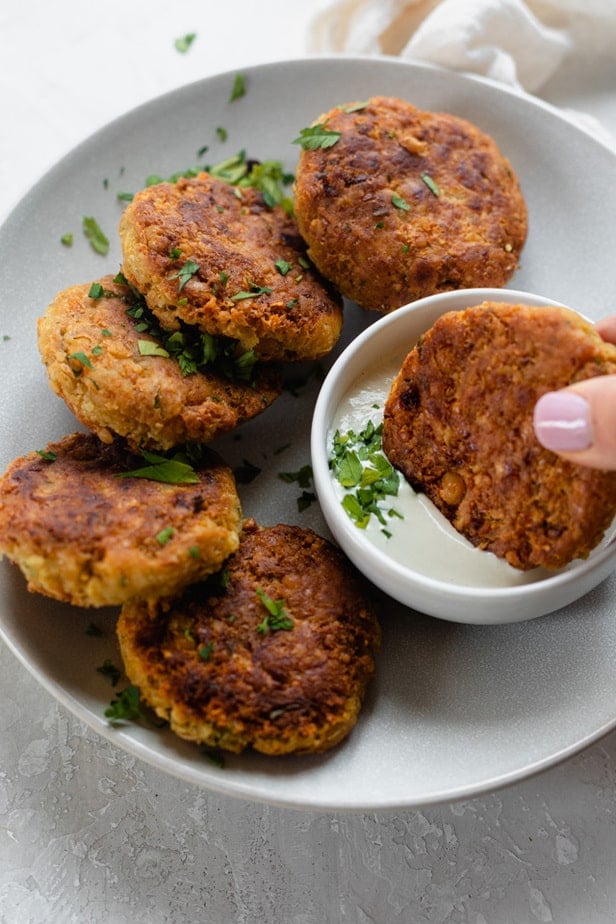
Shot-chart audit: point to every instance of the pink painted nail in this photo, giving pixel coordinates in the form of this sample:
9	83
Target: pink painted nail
562	421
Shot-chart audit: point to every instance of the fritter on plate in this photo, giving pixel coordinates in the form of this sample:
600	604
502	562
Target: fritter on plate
459	425
274	655
84	533
406	203
217	257
121	377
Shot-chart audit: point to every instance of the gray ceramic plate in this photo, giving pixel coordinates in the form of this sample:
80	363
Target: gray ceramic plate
457	710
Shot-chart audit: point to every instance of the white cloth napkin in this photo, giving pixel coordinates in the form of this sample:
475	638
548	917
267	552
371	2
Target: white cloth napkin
519	43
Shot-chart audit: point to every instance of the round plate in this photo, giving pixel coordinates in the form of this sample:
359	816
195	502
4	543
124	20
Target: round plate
456	709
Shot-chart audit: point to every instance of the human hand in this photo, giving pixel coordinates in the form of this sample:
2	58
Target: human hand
579	422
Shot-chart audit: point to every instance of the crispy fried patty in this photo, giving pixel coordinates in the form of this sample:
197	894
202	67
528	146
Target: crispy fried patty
83	535
215	256
275	655
407	203
118	379
459	425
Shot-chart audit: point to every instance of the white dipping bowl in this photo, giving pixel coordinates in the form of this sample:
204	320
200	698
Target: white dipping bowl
391	338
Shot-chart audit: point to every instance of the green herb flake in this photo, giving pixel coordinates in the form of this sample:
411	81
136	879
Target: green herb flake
355	107
238	89
303	476
317	136
96	291
277	618
105	332
46	454
165	535
150	348
81	357
246	472
184	42
189	269
431	184
125	707
221	133
111	671
283	267
175	253
67	239
255	292
362	469
125	196
159	468
194	551
205	653
98	241
400	203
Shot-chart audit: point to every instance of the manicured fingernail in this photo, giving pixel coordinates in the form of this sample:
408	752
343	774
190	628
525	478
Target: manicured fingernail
562	421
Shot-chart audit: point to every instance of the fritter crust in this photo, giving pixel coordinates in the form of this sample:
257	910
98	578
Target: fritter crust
83	535
208	663
459	425
91	349
236	242
408	203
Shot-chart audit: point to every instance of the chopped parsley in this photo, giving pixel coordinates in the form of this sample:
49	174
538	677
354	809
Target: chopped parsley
165	535
400	203
431	184
47	455
283	267
111	671
186	272
98	241
362	469
126	706
238	89
184	42
174	470
191	348
277	618
317	136
221	133
81	358
205	652
67	239
254	292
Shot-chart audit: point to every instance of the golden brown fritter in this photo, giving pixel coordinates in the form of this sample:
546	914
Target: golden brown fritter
407	203
215	256
83	534
274	655
101	363
459	425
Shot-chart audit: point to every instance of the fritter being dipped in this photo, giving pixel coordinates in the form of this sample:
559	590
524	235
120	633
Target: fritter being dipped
397	203
458	424
84	531
217	257
275	653
122	375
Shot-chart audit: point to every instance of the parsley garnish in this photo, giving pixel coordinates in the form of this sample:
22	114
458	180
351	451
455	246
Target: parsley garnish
431	184
183	43
81	357
239	88
159	468
150	348
67	239
125	707
109	669
98	242
317	136
205	652
185	273
365	473
400	203
46	454
283	267
255	292
165	535
277	617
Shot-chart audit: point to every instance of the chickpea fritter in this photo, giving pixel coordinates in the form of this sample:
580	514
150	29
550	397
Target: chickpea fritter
119	380
217	257
274	655
459	425
83	533
407	203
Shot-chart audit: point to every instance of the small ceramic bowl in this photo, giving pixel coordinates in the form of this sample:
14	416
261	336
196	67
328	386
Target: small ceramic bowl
434	570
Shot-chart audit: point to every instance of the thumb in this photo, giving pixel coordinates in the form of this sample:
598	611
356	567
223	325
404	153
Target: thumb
579	422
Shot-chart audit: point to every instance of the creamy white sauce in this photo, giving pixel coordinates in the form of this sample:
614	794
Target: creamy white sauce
424	538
